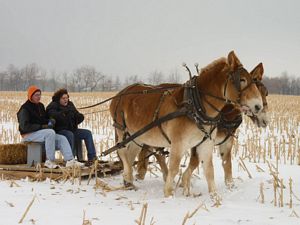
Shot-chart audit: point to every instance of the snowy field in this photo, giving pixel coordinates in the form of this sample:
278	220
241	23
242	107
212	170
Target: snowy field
65	203
275	149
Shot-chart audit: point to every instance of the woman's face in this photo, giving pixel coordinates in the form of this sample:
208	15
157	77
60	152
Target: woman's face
64	100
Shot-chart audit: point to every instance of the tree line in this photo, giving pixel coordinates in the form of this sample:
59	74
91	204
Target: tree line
88	78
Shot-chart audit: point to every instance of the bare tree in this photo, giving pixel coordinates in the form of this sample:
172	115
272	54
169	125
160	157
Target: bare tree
43	78
132	80
65	79
3	78
156	77
29	74
15	79
87	78
174	77
54	80
117	83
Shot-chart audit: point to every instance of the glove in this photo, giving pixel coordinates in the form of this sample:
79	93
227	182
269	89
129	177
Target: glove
51	123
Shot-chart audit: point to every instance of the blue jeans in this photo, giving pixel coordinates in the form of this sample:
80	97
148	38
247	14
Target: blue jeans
52	141
75	139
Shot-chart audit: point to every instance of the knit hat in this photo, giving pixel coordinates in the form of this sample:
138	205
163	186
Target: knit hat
31	90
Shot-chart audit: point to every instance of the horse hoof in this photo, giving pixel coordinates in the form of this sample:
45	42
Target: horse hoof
168	194
186	193
216	199
230	185
139	177
129	186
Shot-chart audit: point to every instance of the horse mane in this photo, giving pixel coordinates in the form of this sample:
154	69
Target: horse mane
216	65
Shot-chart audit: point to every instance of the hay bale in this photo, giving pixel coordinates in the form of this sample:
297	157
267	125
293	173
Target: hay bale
13	154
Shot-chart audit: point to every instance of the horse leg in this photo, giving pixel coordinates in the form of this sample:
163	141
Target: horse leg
127	155
143	162
127	168
205	151
161	159
176	153
186	177
225	152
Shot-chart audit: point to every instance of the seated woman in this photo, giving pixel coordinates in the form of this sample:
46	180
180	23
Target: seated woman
67	119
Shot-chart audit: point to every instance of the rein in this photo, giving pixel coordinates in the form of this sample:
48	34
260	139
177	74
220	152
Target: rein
156	90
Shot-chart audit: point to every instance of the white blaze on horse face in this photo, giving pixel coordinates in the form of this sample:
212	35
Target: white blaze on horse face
255	105
261	119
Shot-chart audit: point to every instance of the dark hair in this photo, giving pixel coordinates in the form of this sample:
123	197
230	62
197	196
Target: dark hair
59	93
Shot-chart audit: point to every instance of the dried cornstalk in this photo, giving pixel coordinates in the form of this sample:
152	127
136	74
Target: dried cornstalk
245	168
259	169
291	193
275	192
189	215
294	214
261	190
281	193
84	221
27	209
13	183
142	218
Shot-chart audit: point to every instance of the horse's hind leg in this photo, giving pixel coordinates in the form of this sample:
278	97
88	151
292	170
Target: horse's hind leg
143	161
127	168
161	159
225	152
186	177
127	155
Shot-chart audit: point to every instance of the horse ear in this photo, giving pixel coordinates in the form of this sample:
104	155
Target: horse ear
258	72
233	61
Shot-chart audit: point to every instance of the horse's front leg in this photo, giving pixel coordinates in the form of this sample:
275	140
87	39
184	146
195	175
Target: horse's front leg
186	177
176	153
205	151
225	152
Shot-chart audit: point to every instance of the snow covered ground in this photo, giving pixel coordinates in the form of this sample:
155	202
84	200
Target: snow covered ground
65	203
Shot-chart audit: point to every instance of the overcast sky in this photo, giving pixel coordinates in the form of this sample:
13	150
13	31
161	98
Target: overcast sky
136	37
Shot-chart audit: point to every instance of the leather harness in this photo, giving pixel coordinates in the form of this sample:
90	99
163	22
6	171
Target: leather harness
192	108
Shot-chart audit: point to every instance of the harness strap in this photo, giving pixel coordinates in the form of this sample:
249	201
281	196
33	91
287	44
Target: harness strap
170	116
155	116
206	136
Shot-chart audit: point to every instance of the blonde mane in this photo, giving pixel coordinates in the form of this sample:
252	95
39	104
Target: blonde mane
215	65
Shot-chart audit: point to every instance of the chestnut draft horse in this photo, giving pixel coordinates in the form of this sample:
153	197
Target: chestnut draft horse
223	81
225	135
231	119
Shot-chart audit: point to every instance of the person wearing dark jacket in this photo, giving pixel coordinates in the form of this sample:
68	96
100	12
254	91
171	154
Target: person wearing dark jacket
67	120
35	126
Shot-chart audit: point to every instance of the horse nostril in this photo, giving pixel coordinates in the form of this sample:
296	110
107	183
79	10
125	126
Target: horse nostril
257	108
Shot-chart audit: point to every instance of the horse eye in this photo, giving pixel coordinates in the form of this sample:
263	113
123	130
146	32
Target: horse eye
242	80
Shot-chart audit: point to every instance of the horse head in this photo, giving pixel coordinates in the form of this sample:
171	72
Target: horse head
241	86
260	119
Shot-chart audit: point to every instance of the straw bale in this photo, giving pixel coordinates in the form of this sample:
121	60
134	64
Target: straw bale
13	154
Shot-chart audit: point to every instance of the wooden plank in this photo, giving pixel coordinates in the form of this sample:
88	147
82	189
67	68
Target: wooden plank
24	167
23	170
16	175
